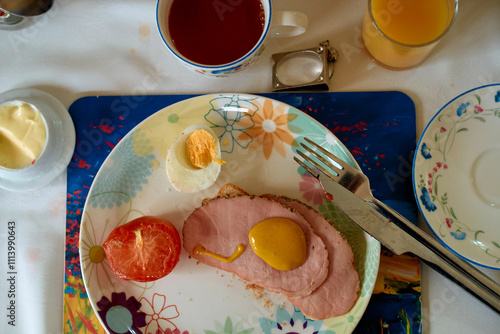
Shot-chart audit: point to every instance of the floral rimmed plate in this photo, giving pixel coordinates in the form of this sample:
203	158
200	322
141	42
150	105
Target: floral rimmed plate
456	176
259	137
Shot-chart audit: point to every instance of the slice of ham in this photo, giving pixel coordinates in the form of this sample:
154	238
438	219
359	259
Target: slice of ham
223	223
340	290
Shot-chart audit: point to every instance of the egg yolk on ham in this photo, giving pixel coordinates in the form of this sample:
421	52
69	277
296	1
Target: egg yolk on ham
280	242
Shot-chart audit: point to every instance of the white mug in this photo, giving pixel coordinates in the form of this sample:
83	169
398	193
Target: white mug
276	24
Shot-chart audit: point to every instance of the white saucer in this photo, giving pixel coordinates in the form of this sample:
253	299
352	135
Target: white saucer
456	175
60	143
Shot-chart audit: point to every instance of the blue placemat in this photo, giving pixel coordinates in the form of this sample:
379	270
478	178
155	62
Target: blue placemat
379	130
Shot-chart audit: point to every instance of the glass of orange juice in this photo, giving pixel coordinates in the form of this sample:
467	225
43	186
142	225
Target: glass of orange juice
400	34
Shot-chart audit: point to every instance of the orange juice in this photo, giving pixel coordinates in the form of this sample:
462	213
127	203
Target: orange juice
401	33
411	21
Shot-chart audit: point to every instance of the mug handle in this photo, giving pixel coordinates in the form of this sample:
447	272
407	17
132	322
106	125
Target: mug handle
288	24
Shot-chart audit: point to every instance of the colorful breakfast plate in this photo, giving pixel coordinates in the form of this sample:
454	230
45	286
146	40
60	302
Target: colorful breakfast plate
456	175
258	138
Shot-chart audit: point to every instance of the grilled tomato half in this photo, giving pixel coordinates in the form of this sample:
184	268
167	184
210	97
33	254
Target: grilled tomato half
143	250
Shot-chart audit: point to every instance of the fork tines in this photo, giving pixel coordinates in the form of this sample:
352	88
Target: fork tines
304	165
315	154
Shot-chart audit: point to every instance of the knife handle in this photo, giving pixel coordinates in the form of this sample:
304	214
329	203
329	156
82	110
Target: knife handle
436	247
456	275
439	258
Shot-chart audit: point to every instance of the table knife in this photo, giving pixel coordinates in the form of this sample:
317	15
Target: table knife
400	241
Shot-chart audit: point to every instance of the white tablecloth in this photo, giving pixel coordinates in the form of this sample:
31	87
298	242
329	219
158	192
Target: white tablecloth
104	47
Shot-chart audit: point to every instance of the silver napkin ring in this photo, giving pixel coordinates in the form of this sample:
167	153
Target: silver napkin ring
304	69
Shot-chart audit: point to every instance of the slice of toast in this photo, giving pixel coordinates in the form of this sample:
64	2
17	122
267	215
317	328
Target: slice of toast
230	190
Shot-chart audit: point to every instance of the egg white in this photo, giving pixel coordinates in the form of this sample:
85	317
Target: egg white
180	171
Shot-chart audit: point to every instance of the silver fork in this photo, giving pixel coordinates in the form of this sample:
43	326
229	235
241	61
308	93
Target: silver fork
345	175
358	183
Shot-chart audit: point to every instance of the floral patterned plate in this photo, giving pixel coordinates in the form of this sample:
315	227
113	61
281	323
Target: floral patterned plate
258	137
456	176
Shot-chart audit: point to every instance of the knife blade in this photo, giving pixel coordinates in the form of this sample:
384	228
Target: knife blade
366	216
400	241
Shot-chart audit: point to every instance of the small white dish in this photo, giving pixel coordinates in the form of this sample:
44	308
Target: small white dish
59	147
456	175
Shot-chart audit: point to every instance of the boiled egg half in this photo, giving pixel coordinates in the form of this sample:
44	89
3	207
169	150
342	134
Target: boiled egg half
194	159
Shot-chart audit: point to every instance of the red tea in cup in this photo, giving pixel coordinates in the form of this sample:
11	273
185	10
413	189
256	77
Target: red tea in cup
215	32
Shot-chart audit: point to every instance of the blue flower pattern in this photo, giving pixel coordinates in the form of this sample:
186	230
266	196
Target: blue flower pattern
427	201
462	108
426	151
125	173
451	222
291	323
459	235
